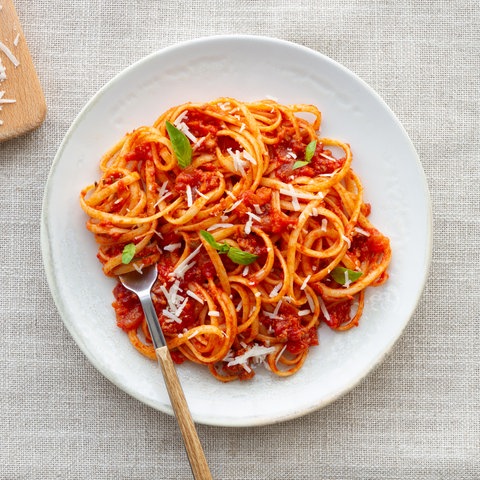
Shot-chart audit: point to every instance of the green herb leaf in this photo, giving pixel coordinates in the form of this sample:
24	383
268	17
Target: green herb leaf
233	253
299	164
309	152
338	274
128	253
181	145
241	257
219	247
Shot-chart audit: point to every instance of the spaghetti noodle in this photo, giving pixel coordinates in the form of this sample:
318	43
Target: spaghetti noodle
257	226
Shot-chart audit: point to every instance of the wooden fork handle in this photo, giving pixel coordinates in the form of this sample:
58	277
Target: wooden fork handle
193	446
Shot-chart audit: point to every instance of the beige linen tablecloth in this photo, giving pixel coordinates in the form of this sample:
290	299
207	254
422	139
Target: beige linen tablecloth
416	416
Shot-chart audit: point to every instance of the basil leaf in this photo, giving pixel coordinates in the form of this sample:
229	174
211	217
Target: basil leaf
299	164
310	151
338	274
128	253
233	253
181	145
219	247
241	257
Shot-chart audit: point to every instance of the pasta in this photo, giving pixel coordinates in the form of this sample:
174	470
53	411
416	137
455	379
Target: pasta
256	223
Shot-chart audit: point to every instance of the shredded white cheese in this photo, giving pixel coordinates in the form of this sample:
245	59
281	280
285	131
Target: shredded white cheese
3	71
323	308
324	155
180	118
138	268
219	225
247	156
311	304
171	316
305	282
277	308
276	289
183	127
198	192
195	296
9	54
172	247
362	231
238	163
189	195
162	198
257	208
185	265
347	241
256	352
234	206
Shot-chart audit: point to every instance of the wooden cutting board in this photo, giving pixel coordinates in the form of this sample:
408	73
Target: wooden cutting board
22	102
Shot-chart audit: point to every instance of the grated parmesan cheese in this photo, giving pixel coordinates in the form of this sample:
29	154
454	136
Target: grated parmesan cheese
311	303
256	352
189	195
347	241
238	163
9	54
257	208
304	284
247	156
138	268
195	296
185	265
273	316
323	308
180	118
183	127
234	206
219	225
276	289
172	247
362	231
198	192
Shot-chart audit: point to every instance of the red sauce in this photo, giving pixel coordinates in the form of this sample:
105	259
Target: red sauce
288	328
202	270
283	152
141	152
366	248
272	220
197	178
339	314
200	125
127	307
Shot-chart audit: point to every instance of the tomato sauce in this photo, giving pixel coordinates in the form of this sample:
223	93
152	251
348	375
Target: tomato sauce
127	307
286	153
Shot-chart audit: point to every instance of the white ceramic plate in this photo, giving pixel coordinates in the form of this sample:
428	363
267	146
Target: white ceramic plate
247	68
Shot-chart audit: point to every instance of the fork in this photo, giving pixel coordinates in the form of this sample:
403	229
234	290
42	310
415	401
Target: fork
141	284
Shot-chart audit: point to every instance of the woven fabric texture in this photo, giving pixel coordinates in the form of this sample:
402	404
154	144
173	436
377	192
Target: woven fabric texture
415	416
